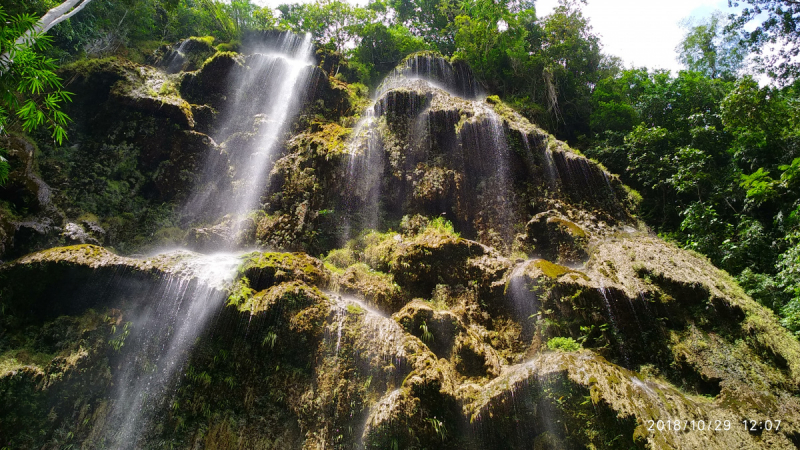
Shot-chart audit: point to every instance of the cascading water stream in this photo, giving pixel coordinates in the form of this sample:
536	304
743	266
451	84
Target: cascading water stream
174	313
269	92
177	310
175	58
479	148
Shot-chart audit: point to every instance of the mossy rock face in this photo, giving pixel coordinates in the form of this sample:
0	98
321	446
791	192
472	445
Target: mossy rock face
37	223
305	354
181	170
437	329
208	85
379	289
621	406
331	97
425	151
649	306
440	366
64	272
556	238
153	93
473	358
204	118
433	258
263	270
132	153
133	86
62	371
230	231
185	56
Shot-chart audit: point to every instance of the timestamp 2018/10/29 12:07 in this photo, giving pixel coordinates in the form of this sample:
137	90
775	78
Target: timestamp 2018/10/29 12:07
712	425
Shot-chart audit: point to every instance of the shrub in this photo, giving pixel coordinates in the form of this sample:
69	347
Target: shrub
564	344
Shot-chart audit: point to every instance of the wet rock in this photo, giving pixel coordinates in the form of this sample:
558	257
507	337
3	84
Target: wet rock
142	94
377	288
209	237
185	56
133	86
433	258
26	191
204	117
556	238
85	230
208	85
438	329
181	170
473	358
331	97
388	415
499	354
75	234
264	270
34	234
62	279
229	231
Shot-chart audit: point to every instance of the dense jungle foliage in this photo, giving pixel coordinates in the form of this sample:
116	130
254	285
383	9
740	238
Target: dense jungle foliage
714	153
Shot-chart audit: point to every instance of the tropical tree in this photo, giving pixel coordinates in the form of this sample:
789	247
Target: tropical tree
568	60
25	35
381	48
330	21
775	40
706	48
431	20
492	40
30	91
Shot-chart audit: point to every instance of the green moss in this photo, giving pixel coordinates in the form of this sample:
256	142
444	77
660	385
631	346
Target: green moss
441	226
573	229
423	53
220	55
13	360
207	40
240	292
565	344
232	46
376	287
89	66
341	258
326	138
379	249
355	309
292	295
551	270
266	269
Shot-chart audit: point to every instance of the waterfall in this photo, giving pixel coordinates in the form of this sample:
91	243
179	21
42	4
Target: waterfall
454	151
174	60
173	314
456	78
264	97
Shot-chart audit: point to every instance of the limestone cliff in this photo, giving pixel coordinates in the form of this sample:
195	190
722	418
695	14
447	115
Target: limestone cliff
431	271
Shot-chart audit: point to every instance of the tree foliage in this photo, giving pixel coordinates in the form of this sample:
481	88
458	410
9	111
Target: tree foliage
708	49
775	41
31	94
717	163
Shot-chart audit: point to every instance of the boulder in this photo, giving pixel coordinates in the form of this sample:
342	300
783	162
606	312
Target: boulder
556	238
